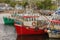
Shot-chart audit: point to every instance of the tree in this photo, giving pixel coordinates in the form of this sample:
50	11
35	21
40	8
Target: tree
13	4
39	5
2	1
46	4
7	1
53	7
24	3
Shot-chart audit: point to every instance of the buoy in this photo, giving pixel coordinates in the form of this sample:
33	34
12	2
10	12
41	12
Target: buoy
33	23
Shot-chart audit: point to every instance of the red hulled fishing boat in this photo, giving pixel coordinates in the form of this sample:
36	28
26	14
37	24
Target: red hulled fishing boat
29	25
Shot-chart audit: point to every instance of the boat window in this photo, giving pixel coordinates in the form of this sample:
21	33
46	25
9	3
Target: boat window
18	22
25	19
30	19
33	19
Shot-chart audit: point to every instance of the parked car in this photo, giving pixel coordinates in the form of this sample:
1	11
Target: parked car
9	8
2	8
19	7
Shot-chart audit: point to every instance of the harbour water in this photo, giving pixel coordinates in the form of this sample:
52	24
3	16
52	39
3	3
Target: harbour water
9	33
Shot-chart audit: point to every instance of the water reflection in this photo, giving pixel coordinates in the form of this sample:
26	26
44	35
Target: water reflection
35	37
32	37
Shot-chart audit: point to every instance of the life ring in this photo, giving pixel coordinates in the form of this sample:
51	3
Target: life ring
33	23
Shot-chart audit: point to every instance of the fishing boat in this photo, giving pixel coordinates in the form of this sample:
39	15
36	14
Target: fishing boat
54	26
9	20
54	29
28	24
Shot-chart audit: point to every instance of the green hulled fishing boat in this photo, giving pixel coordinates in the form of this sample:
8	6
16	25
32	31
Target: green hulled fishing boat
8	21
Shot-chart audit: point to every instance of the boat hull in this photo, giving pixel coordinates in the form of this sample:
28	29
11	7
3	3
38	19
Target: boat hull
22	30
54	34
8	21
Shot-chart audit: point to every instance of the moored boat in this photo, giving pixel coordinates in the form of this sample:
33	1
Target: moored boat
8	21
54	26
30	25
54	29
